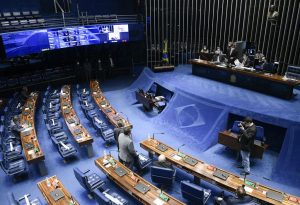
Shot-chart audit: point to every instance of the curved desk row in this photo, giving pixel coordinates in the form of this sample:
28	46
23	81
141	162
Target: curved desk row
80	134
214	175
31	147
132	183
111	114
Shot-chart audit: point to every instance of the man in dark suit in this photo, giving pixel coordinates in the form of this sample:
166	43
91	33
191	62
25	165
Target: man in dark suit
162	162
240	198
232	53
246	139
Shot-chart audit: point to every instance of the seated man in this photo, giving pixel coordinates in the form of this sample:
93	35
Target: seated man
162	162
240	198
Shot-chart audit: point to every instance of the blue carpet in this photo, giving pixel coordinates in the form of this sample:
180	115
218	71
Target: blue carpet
193	117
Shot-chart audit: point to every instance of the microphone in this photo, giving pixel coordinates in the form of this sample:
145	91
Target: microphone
180	147
157	133
114	150
125	116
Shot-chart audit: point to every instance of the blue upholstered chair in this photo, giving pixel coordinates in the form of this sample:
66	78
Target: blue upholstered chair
235	128
12	199
164	176
194	193
108	135
59	136
88	181
144	161
65	149
12	168
91	114
102	199
35	201
260	133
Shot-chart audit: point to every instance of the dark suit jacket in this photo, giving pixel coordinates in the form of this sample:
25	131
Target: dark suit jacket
232	56
163	164
247	138
231	200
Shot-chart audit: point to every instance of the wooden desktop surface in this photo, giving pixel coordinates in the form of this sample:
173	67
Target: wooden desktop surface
52	183
31	147
205	171
230	140
271	77
127	183
103	104
68	112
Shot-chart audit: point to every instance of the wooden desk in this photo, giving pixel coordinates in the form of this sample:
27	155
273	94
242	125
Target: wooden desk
201	170
80	134
271	84
31	147
50	184
147	102
230	140
127	183
163	68
110	113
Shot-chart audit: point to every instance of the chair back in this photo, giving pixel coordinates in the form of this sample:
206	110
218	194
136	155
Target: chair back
235	128
80	176
192	192
260	133
11	199
100	197
162	175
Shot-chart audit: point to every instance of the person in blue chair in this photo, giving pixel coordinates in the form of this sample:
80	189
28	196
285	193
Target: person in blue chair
240	198
246	139
162	162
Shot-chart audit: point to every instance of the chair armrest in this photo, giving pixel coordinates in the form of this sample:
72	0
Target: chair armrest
86	171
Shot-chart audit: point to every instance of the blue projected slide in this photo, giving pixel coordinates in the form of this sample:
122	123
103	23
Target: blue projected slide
35	41
87	35
25	42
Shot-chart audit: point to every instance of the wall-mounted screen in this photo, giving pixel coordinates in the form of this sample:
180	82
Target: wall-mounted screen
25	42
35	41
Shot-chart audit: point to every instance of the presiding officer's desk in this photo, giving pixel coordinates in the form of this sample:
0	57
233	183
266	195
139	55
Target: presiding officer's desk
55	193
111	114
131	181
201	170
80	134
230	140
267	83
31	147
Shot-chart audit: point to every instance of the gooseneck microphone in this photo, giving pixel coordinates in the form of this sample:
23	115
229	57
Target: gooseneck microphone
180	147
157	133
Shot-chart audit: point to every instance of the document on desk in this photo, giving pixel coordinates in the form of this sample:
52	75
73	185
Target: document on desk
158	201
248	189
176	157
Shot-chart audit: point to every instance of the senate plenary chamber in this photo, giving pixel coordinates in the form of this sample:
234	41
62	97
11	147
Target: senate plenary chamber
156	102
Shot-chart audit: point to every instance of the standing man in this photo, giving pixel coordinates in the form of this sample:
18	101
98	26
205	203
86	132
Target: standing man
127	153
246	139
117	131
232	53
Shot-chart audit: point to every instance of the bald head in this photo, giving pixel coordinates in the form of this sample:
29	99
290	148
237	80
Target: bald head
162	158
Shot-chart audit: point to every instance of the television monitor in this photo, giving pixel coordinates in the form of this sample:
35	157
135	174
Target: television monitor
25	42
22	43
